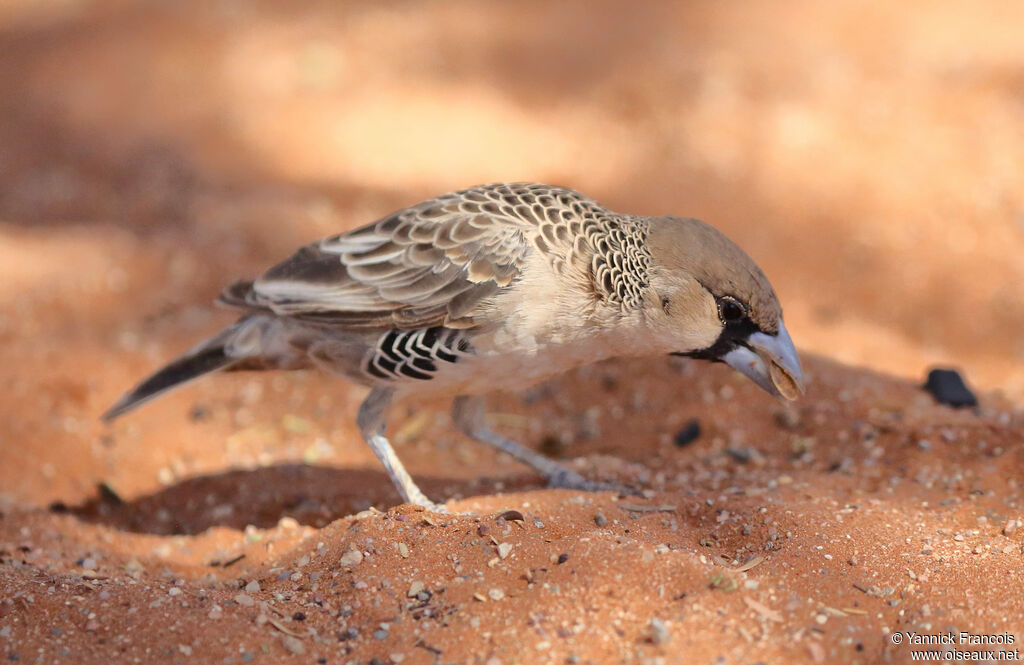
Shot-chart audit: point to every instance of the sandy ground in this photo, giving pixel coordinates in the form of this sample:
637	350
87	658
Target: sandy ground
867	154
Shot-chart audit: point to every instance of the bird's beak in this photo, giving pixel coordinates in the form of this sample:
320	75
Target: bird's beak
771	362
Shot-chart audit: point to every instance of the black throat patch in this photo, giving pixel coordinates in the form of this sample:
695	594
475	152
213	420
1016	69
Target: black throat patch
733	335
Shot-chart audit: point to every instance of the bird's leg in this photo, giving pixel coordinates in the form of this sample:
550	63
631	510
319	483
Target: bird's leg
468	412
371	420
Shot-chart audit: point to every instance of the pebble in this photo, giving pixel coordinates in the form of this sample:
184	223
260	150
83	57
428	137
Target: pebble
415	588
600	520
216	612
689	433
562	558
504	549
948	387
253	587
245	600
380	634
293	645
351	558
659	631
788	418
496	594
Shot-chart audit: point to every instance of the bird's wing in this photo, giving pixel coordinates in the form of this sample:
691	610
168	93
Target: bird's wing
431	264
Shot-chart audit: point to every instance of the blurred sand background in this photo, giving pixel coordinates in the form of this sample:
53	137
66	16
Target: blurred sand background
869	155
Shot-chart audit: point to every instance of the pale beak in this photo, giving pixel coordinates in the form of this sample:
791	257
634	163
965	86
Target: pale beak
771	362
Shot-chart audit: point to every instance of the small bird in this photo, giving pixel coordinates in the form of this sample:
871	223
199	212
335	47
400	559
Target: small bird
496	286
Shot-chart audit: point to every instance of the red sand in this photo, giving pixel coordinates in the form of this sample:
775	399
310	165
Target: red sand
867	154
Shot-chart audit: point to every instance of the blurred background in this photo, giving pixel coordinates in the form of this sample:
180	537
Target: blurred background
868	154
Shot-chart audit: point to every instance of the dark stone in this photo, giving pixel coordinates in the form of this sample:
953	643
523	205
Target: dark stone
512	516
688	434
198	413
948	387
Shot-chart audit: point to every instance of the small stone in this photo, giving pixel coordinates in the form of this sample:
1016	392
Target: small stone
253	587
351	558
948	387
689	433
504	549
293	645
600	520
562	558
496	594
788	418
403	550
415	588
380	634
511	516
659	631
245	600
1010	527
741	455
216	612
174	591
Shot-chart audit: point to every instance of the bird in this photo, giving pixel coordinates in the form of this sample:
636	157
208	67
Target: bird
492	287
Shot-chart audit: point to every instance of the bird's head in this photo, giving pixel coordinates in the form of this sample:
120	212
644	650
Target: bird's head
709	300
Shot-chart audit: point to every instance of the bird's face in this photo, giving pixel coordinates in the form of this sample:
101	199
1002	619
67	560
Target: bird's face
711	301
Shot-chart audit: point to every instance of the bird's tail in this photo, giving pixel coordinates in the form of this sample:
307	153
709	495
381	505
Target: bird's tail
236	345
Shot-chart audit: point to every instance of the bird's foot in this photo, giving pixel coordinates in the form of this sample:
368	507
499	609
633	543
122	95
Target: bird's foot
428	505
570	480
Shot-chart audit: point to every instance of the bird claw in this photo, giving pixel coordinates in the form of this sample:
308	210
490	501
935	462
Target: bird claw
570	480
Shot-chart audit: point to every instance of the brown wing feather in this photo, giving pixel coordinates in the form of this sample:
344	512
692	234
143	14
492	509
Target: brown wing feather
432	264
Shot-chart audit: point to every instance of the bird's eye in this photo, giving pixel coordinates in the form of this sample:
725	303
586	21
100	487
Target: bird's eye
731	310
